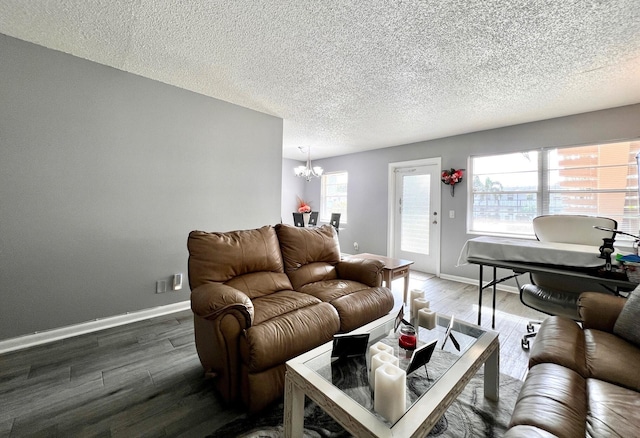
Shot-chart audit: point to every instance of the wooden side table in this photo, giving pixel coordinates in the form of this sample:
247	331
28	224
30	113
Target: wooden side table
393	268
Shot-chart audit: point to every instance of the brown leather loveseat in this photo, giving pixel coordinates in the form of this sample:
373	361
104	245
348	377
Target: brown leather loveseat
261	297
583	382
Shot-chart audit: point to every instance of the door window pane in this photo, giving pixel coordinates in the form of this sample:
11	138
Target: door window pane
414	236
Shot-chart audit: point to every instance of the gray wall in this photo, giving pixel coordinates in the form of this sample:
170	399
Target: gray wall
292	186
368	174
102	176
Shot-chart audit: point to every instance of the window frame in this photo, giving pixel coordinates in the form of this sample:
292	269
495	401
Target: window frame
544	193
325	215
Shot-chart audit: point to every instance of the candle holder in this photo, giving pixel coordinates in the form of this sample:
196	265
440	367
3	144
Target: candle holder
427	318
377	361
408	339
416	305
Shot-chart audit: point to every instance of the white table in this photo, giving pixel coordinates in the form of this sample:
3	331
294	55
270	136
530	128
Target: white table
303	379
530	256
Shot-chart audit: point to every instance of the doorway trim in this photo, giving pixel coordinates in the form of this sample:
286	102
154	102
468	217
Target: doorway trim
391	189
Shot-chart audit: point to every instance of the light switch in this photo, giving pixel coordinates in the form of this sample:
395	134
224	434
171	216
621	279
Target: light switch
177	282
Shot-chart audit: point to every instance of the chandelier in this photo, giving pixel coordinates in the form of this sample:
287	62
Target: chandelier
308	172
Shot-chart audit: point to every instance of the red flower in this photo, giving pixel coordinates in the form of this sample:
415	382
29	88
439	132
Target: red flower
303	207
452	176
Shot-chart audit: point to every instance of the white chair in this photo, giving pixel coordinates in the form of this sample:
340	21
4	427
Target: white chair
555	294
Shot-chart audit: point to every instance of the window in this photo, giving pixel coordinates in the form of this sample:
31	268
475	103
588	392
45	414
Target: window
509	190
334	196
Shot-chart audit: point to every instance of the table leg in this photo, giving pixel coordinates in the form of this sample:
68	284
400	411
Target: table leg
480	296
492	375
293	409
406	287
386	278
493	317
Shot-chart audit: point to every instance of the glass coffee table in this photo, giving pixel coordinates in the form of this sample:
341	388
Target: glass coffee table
341	387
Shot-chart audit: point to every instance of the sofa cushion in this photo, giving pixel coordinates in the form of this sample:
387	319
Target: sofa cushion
554	399
329	290
561	341
219	257
357	304
367	271
612	359
279	303
362	307
628	323
309	254
600	311
288	335
524	431
258	284
312	273
613	410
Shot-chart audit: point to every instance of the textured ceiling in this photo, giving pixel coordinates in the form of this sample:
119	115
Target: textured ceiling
354	75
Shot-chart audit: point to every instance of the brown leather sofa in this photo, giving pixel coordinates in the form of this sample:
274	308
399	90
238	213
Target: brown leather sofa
582	382
261	297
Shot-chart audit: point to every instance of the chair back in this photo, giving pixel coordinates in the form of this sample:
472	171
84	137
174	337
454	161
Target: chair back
313	219
578	229
298	219
335	220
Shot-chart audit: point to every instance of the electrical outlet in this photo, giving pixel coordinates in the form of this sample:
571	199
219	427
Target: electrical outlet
452	214
356	246
161	286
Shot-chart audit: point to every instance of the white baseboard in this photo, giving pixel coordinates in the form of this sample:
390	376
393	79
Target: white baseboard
39	338
502	287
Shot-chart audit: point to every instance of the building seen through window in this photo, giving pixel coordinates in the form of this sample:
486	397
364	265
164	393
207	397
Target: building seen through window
509	190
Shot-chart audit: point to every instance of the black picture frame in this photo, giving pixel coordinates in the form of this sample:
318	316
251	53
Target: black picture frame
421	356
349	345
399	318
448	335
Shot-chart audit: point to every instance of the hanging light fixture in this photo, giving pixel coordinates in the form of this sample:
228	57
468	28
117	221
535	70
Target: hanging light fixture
308	172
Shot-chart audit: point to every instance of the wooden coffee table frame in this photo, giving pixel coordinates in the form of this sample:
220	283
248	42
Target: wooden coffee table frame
420	418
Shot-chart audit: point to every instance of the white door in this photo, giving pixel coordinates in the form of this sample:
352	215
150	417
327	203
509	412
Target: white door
416	217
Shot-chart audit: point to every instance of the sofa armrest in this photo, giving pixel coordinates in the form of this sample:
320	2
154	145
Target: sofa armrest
599	311
365	271
210	300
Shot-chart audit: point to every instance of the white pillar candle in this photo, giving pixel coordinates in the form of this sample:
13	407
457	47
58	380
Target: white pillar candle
416	305
390	392
416	293
377	361
379	347
427	318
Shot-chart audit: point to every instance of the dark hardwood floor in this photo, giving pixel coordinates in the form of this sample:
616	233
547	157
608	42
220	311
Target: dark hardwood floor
144	379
